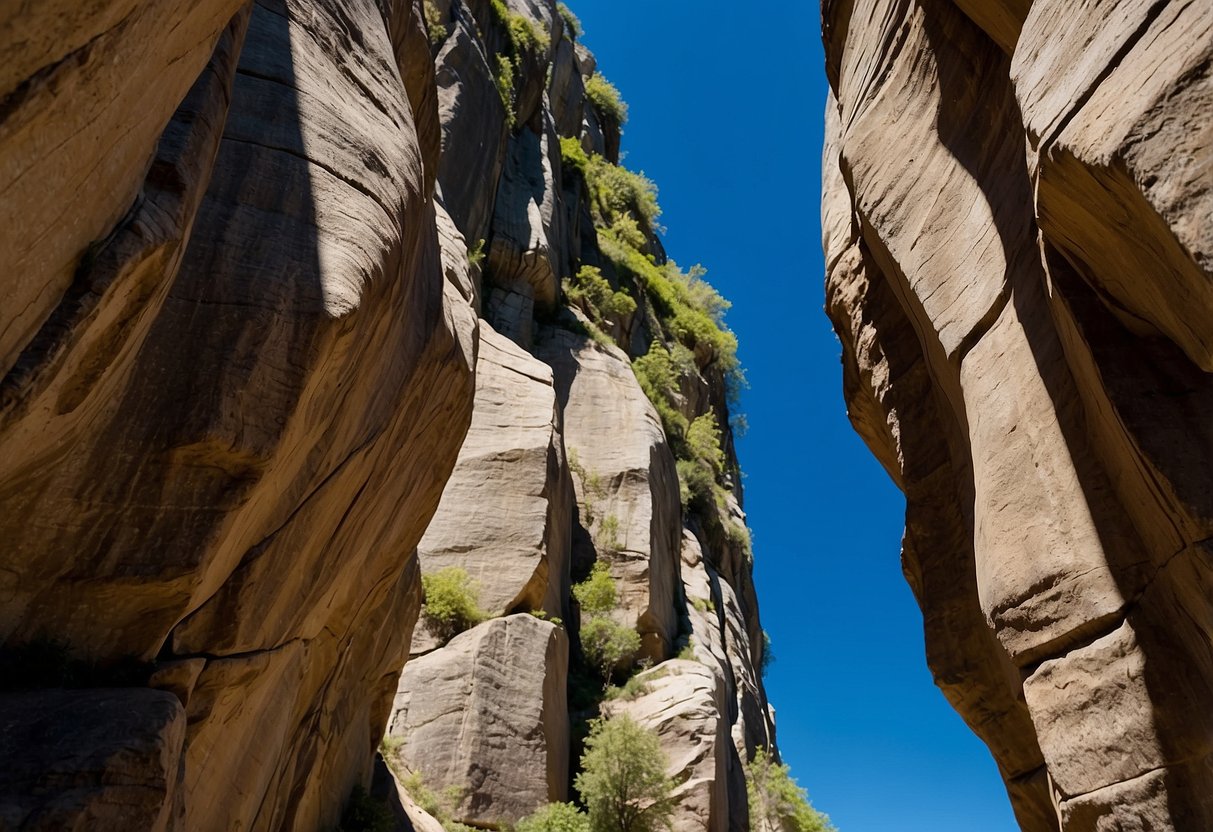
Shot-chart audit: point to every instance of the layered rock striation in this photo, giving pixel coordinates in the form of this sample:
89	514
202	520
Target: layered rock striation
1016	213
308	298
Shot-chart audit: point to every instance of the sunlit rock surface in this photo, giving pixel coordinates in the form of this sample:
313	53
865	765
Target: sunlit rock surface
1016	225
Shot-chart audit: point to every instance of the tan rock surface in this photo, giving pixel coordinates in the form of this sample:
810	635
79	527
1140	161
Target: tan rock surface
74	159
240	472
600	396
507	510
1024	350
487	715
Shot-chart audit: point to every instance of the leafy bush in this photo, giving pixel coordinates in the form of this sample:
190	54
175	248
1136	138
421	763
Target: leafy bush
687	653
623	781
703	442
571	24
605	99
768	654
434	23
503	77
573	156
696	485
523	35
555	817
365	814
609	646
617	191
658	374
452	603
682	305
597	594
777	803
591	291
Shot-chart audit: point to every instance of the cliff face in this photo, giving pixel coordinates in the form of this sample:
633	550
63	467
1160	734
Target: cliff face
1016	222
307	298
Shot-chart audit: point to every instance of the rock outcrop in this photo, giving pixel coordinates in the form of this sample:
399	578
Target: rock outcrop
1016	224
236	379
486	717
306	299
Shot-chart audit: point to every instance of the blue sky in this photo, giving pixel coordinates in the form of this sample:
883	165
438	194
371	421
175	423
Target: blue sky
726	106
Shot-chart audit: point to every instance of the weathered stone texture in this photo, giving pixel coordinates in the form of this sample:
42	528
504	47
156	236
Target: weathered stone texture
1015	219
227	440
487	715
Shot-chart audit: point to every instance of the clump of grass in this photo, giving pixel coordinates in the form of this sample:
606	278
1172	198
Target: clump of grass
476	254
633	688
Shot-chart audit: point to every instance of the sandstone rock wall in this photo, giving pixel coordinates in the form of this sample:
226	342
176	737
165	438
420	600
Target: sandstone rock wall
1016	213
567	463
287	282
237	385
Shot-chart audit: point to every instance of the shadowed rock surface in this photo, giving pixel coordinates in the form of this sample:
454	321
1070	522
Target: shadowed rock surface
1016	226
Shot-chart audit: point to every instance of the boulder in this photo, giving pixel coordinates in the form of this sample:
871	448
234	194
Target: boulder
486	715
506	513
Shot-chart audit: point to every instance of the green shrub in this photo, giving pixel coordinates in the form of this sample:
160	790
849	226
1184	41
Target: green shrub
739	536
391	749
687	653
555	817
696	485
703	604
607	541
768	654
605	99
523	35
703	442
503	76
597	594
452	603
674	297
439	805
571	24
573	156
434	23
623	781
609	646
591	291
365	814
476	253
617	191
777	803
658	374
